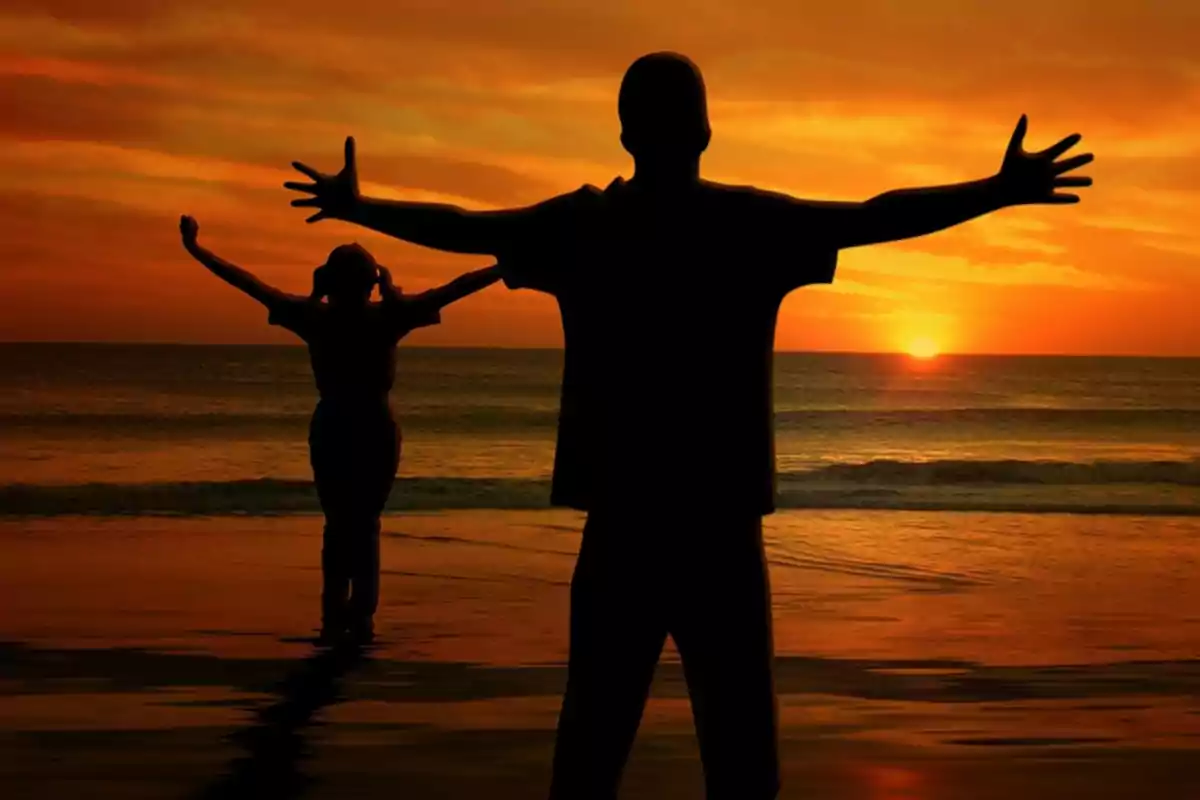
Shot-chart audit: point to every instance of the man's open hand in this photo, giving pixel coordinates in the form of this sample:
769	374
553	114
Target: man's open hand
1027	178
334	196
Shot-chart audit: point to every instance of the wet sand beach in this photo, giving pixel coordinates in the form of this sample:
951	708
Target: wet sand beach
921	655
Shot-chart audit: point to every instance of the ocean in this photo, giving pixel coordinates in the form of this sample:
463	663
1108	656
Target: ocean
983	575
137	429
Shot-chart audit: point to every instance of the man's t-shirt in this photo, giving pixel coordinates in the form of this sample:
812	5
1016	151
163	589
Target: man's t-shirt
668	305
353	351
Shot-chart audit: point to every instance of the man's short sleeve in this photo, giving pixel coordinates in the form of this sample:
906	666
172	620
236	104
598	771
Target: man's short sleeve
549	232
292	313
786	236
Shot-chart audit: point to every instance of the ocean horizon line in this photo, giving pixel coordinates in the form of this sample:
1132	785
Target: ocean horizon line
547	349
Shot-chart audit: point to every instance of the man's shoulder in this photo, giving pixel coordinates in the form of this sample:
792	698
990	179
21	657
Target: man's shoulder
740	193
585	203
589	192
742	206
584	198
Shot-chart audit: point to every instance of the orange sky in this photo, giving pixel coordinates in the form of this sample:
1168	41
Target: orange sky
118	116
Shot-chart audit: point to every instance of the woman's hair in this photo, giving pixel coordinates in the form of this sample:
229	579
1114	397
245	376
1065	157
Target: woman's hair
349	271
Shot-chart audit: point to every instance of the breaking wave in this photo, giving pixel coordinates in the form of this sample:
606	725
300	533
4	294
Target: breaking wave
1111	487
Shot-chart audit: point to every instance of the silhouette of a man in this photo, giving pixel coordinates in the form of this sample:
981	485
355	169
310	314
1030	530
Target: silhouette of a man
669	287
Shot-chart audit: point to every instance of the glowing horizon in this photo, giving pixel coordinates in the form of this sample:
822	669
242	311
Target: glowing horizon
130	113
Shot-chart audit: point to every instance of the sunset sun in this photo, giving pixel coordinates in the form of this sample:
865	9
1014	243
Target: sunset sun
923	348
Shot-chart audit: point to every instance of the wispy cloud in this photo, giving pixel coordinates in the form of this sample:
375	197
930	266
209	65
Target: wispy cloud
115	117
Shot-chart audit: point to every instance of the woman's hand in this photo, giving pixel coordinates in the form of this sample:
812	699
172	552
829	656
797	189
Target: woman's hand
189	229
388	291
319	280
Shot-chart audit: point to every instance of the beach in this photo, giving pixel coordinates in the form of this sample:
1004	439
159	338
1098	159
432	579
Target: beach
921	655
983	572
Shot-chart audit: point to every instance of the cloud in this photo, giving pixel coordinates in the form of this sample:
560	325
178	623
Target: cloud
114	117
917	265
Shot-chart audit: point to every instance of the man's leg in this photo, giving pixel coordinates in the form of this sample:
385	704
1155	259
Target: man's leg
617	634
720	618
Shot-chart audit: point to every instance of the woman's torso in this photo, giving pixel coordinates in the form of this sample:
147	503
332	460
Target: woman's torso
353	357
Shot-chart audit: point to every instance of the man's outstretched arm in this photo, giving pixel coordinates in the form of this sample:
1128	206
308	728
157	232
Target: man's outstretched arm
1024	178
442	227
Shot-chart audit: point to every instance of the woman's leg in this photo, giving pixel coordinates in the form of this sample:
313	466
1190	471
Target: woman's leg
381	459
332	492
335	573
364	578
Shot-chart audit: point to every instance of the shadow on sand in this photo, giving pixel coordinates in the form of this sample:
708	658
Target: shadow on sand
275	746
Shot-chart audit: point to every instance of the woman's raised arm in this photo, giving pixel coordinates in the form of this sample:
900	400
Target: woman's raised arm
232	274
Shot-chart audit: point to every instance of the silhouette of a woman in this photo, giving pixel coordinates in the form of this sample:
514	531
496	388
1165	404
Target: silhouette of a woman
354	441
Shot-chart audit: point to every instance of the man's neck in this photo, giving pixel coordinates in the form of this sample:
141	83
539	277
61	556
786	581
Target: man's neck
671	175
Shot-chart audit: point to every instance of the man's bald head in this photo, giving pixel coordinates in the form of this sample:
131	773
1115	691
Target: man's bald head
663	108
